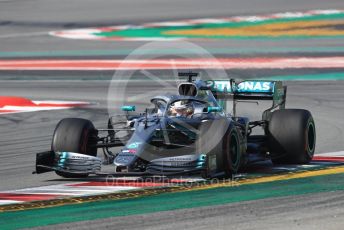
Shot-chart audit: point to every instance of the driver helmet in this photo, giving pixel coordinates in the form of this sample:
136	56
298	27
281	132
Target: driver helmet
182	109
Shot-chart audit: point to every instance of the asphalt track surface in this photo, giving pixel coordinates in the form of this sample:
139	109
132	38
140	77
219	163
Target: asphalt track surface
23	28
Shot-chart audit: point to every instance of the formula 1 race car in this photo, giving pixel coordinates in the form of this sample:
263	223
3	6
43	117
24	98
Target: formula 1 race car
188	133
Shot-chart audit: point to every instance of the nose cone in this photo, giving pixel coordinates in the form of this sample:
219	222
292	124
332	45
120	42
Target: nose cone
124	159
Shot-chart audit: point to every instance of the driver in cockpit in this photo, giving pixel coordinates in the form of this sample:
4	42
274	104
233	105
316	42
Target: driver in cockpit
181	109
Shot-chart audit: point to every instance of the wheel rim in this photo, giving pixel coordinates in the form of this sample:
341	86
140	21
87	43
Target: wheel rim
234	150
310	138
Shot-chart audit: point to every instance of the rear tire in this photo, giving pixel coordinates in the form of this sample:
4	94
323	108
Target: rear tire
74	135
291	136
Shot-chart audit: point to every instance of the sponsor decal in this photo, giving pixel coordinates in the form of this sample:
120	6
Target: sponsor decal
123	159
132	151
255	87
242	87
181	164
179	159
220	86
134	145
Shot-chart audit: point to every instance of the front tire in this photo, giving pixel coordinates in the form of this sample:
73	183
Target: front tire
232	153
74	135
291	136
220	138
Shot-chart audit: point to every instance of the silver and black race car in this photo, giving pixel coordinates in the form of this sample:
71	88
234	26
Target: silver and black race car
188	133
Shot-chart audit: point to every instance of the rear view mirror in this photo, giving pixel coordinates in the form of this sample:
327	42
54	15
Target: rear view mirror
212	109
128	108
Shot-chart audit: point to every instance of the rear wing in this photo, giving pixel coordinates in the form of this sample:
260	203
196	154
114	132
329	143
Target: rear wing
249	90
